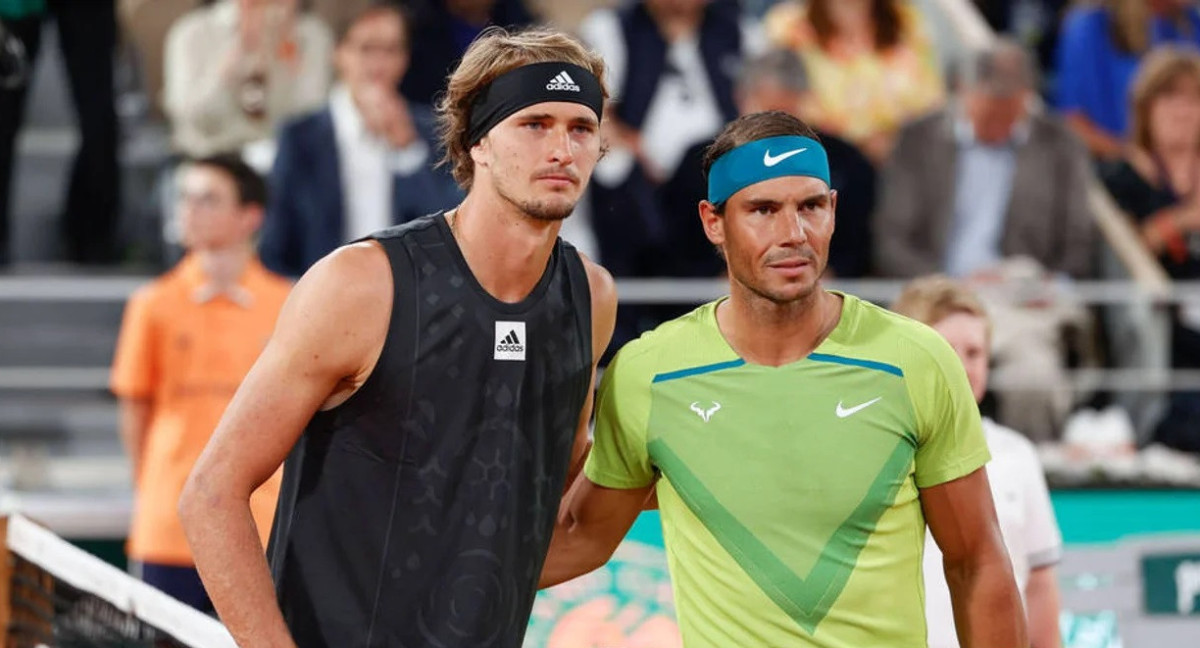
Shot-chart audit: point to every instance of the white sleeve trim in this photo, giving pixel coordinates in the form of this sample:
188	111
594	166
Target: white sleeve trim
1045	557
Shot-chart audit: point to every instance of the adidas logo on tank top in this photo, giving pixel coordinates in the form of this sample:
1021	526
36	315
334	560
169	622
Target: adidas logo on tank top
510	341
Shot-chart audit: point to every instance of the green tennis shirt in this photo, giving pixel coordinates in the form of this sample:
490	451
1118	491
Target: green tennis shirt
789	495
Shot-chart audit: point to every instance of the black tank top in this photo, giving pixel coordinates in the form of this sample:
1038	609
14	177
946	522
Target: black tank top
419	512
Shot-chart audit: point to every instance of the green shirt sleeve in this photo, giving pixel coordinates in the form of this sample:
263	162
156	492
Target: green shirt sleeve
950	441
619	458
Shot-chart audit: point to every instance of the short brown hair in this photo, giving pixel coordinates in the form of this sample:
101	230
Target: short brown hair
750	128
250	185
346	25
888	22
933	298
1159	70
495	52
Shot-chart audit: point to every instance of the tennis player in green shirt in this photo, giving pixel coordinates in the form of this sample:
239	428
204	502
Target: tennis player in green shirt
798	439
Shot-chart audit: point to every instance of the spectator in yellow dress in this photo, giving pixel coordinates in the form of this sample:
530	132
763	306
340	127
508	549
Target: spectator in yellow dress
872	64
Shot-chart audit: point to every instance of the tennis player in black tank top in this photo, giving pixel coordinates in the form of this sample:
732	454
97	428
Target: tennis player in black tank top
430	389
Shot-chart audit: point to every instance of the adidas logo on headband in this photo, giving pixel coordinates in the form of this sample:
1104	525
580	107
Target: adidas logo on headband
562	81
528	85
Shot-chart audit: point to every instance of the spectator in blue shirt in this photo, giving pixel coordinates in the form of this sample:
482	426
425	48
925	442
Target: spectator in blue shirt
1099	50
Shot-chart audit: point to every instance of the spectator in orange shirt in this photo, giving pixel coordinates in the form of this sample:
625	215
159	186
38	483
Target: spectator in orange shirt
186	342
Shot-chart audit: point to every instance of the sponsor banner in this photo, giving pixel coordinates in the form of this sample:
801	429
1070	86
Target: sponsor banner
1171	584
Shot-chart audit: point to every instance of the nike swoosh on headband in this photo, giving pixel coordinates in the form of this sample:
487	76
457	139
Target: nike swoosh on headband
753	162
770	161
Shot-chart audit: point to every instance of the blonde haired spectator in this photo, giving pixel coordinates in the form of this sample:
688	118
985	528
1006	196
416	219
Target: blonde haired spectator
234	70
525	146
1018	485
1158	184
872	63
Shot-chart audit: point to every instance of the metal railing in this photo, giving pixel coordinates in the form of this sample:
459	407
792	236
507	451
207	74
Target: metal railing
97	289
16	291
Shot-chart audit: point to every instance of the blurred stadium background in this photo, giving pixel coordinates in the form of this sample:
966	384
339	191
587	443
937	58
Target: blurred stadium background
1129	508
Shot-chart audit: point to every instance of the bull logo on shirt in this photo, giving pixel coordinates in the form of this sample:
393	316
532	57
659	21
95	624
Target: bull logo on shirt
706	414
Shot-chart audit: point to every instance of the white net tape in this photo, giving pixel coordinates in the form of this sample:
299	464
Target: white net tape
89	574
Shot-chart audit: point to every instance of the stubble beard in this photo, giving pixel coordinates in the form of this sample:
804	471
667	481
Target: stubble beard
757	291
542	210
789	300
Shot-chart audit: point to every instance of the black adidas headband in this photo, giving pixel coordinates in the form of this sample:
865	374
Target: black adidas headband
529	85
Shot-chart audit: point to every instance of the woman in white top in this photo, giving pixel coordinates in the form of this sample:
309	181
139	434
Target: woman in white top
1018	484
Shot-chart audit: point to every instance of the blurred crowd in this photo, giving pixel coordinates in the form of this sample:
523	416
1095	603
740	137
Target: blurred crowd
973	164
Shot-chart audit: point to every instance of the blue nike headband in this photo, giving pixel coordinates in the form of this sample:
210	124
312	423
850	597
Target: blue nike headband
764	159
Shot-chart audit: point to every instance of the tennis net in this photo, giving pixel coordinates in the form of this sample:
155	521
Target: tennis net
55	595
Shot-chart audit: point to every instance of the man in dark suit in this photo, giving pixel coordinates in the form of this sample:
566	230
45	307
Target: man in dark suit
988	178
993	190
776	80
364	162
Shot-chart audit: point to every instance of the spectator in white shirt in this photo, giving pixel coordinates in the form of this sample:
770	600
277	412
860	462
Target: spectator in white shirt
234	70
362	163
1018	485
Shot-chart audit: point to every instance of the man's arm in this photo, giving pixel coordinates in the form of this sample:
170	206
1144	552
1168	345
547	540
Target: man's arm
571	544
604	318
591	523
1042	603
326	342
987	606
135	421
593	518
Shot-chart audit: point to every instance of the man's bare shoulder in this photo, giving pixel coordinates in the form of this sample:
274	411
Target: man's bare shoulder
357	274
604	305
338	313
600	281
